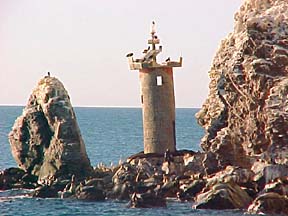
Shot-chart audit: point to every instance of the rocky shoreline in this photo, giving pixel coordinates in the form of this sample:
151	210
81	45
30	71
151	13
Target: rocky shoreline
244	163
146	181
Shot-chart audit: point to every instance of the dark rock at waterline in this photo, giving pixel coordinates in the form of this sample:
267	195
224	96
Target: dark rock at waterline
219	191
280	187
50	189
9	177
16	178
29	178
123	182
191	190
46	140
147	200
46	191
269	203
169	189
223	196
120	191
90	193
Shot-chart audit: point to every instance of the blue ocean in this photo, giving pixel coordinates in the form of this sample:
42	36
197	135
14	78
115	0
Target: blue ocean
110	135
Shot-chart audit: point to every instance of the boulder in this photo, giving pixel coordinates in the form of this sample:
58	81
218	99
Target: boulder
195	187
148	184
280	187
121	191
267	173
193	163
222	196
234	174
49	190
46	140
147	200
270	172
9	177
269	203
168	189
90	193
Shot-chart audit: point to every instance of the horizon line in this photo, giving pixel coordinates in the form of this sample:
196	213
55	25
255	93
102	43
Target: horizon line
98	106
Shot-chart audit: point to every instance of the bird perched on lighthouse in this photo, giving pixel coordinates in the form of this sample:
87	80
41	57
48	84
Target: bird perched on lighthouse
153	28
146	50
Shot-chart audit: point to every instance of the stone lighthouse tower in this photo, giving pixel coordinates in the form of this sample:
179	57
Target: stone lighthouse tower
157	97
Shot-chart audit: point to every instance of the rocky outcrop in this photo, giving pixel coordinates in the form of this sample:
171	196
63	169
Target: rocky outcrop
245	114
16	178
269	203
147	200
223	196
90	193
228	189
46	140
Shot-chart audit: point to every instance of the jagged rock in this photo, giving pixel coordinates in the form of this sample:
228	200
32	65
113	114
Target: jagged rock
29	178
147	200
245	114
17	178
222	196
50	190
95	182
120	191
193	163
90	193
46	140
269	203
123	181
9	177
237	175
267	173
169	189
126	172
279	187
188	192
210	163
142	174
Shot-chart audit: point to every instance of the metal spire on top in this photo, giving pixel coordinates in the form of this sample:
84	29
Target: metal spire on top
149	58
153	28
153	41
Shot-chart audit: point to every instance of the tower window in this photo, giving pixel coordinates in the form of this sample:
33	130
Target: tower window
159	80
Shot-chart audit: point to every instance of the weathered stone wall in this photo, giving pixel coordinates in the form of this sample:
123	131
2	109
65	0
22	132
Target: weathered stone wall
46	140
246	113
158	107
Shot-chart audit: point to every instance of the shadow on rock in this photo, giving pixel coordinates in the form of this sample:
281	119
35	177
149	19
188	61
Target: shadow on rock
147	200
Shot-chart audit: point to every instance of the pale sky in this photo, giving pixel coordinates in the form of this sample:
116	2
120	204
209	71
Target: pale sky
84	43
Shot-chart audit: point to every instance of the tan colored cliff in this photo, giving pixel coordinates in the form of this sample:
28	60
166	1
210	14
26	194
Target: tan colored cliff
246	112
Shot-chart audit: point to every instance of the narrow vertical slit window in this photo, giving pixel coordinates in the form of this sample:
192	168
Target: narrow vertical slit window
142	99
159	80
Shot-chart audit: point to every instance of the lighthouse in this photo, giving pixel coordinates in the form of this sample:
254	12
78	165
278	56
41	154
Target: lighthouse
157	97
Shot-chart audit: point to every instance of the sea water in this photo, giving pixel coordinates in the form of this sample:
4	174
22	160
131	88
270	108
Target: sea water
110	135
